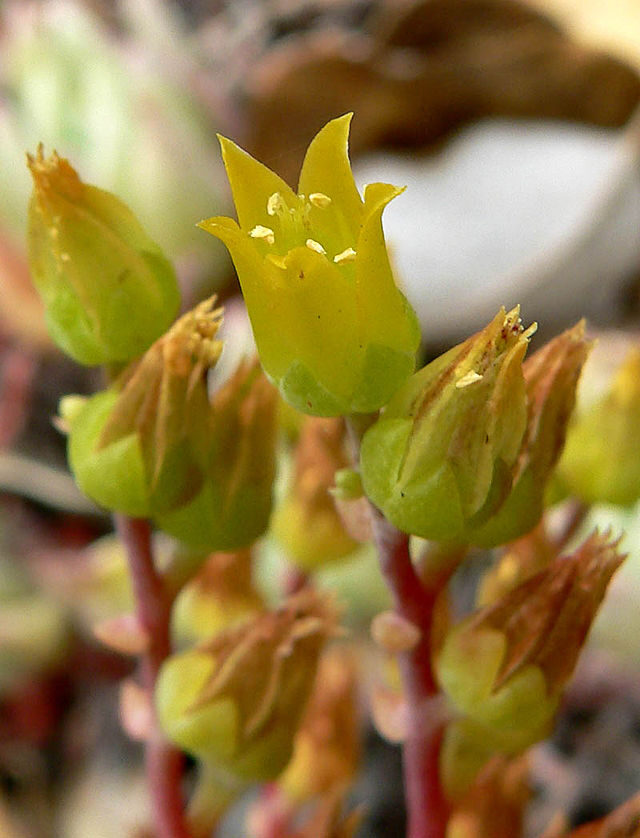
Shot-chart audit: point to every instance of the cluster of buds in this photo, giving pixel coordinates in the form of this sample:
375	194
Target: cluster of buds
503	668
332	329
307	522
464	450
107	289
153	445
237	700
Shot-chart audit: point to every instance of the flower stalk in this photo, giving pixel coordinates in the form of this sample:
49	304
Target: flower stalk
414	600
164	762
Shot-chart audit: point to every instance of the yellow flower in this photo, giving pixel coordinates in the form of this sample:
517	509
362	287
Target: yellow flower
332	329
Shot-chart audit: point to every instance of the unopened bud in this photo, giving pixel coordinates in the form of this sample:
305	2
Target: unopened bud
439	462
237	700
307	522
232	508
504	667
108	290
600	462
138	447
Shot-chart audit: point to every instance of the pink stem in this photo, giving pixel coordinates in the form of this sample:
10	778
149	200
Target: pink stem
153	608
427	807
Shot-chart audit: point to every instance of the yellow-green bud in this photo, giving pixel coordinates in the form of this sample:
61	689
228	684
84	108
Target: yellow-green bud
332	329
600	463
232	508
107	289
306	522
139	447
237	700
440	461
504	667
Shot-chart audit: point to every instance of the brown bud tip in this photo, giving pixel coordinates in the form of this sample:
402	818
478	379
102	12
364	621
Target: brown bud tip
53	174
551	377
547	618
272	647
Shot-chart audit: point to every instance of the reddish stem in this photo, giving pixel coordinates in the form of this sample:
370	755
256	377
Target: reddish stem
427	807
153	608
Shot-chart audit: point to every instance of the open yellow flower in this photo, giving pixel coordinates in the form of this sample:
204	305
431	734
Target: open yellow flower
332	329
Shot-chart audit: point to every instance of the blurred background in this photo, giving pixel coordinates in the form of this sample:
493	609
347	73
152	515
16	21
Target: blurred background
515	126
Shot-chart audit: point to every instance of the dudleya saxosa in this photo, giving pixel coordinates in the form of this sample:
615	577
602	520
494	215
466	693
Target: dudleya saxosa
333	331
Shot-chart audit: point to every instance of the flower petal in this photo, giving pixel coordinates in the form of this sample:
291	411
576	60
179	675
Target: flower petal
326	169
252	184
384	314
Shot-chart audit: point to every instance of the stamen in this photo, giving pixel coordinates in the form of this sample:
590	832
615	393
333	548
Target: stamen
348	255
275	203
315	246
533	328
468	378
260	232
319	199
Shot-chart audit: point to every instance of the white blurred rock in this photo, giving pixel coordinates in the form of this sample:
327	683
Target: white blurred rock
539	213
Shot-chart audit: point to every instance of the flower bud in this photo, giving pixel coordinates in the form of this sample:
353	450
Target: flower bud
504	667
237	700
439	462
220	596
332	329
307	523
551	377
232	508
138	447
600	461
327	746
107	289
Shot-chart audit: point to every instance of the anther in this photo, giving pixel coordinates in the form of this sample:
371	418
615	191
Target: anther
319	199
274	203
348	255
315	246
468	378
260	232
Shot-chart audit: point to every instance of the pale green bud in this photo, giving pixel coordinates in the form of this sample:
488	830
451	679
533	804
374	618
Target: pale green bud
600	462
237	700
140	447
440	460
504	668
107	289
